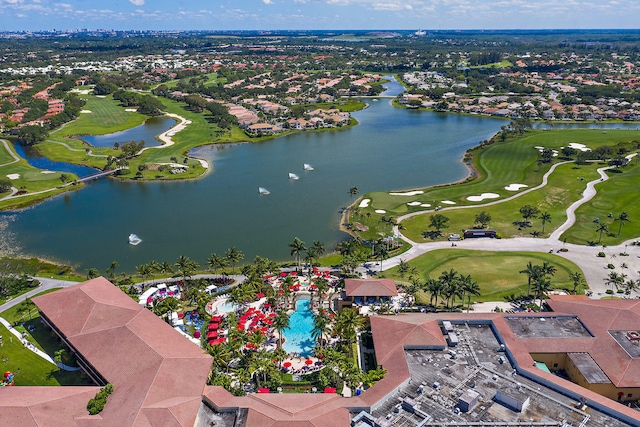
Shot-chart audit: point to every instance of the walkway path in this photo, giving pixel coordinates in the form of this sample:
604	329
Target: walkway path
16	158
594	268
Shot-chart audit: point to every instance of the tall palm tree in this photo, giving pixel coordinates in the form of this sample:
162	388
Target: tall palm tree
297	247
348	323
216	262
434	287
469	287
548	269
622	217
318	250
602	227
165	268
320	326
577	279
92	273
353	191
280	323
186	267
144	270
234	256
544	218
112	269
403	268
540	286
449	281
532	271
381	254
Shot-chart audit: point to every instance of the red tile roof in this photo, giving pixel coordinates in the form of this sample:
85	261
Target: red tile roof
158	375
370	288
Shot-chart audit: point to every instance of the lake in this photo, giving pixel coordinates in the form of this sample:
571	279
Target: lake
390	149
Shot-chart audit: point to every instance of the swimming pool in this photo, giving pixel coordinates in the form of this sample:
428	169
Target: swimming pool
224	307
298	335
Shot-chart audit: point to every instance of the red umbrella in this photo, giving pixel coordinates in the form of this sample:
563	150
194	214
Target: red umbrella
287	364
212	334
293	273
260	295
196	334
213	326
308	362
283	274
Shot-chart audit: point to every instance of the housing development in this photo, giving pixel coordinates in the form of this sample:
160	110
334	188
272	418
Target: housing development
503	289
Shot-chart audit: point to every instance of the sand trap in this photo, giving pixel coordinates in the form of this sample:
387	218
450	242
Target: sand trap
47	172
413	203
81	91
101	96
447	202
408	193
425	205
86	111
203	163
13	176
515	187
131	110
364	203
580	147
380	211
482	197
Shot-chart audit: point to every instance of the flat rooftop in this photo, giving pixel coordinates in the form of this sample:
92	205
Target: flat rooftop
477	365
589	368
547	327
628	341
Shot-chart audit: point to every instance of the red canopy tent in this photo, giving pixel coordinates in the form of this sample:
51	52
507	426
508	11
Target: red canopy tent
330	390
263	390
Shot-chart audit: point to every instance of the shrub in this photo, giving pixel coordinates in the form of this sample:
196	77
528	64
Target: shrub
601	255
609	291
611	266
96	405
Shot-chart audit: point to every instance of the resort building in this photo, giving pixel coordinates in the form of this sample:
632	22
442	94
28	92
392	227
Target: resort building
495	372
365	292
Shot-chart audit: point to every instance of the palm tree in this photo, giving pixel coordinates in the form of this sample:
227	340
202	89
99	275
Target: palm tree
602	227
347	324
544	218
577	280
622	217
469	287
532	271
297	247
449	281
165	268
112	269
92	273
548	269
614	279
186	267
216	262
234	256
540	286
403	268
382	253
280	323
320	325
144	270
434	287
318	250
353	191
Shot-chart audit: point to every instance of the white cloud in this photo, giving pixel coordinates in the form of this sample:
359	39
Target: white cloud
267	1
137	2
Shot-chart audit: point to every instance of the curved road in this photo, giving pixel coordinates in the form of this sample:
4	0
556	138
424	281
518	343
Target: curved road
595	269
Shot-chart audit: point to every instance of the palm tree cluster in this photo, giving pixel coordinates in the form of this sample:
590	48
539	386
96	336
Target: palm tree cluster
623	217
313	253
448	286
540	277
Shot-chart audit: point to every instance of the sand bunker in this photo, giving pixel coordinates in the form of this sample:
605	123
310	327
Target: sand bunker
425	205
47	172
13	176
86	111
447	202
413	203
515	187
580	147
380	211
408	193
131	110
364	203
482	197
554	153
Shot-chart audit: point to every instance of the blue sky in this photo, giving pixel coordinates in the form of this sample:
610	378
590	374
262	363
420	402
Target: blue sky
316	14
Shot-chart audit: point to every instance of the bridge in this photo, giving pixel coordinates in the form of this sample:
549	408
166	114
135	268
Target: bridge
98	175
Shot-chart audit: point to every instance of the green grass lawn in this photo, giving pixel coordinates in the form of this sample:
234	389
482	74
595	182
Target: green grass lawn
616	195
32	369
5	156
497	273
107	116
563	188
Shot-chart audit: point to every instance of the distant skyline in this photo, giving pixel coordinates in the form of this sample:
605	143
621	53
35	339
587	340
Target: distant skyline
34	15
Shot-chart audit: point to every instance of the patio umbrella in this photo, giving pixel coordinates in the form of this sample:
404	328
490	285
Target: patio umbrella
308	362
287	364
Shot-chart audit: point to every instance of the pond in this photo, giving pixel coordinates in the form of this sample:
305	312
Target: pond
146	132
36	160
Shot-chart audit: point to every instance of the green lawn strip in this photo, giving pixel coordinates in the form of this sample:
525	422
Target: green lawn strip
32	179
618	194
563	188
107	116
5	155
497	273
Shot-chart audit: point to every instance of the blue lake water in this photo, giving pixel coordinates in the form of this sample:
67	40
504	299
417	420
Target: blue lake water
391	149
146	132
37	161
298	335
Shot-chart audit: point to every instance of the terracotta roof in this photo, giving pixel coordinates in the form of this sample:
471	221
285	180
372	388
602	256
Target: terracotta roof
158	375
370	288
